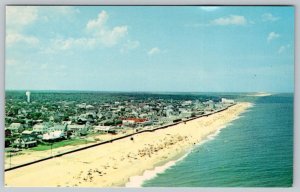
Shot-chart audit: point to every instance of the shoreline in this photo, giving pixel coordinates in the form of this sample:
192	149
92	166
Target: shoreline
107	165
138	180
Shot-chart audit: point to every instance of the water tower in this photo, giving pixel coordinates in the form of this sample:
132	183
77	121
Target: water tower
28	96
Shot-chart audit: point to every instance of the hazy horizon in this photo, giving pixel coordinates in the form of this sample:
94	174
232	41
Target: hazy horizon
132	91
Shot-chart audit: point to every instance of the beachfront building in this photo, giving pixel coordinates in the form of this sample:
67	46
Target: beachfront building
25	142
227	101
102	128
54	135
185	114
131	122
78	129
166	120
128	122
209	105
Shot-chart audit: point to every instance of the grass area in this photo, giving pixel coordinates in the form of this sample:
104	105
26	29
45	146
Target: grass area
73	142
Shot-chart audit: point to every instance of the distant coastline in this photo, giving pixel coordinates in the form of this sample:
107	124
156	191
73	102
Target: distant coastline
260	94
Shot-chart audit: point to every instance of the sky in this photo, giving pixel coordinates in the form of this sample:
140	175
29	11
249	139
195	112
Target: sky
150	48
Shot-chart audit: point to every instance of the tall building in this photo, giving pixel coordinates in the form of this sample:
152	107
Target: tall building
28	96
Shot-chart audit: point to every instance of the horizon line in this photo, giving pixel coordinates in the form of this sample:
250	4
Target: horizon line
134	91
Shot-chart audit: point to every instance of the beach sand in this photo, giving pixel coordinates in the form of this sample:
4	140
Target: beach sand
259	94
112	164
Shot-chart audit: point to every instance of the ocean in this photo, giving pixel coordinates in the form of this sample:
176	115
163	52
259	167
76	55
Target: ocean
255	150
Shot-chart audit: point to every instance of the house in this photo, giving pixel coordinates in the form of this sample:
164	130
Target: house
16	127
169	112
90	108
128	122
102	129
27	132
186	103
40	128
78	129
185	114
131	121
61	128
82	120
227	101
54	135
25	142
81	106
210	105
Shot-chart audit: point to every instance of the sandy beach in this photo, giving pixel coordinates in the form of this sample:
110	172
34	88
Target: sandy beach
112	164
259	94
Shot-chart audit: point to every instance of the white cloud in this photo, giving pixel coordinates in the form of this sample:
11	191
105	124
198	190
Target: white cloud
269	17
65	44
17	18
20	16
112	37
97	33
153	51
13	38
129	45
99	22
230	20
107	36
283	48
272	36
209	8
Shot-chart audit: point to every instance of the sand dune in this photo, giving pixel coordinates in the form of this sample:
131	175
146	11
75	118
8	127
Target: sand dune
112	164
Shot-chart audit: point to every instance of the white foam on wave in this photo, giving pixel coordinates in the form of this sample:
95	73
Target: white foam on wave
137	181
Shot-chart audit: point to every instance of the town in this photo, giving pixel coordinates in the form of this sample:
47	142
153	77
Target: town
37	119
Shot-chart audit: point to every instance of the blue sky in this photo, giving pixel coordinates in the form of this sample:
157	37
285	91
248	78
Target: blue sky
140	48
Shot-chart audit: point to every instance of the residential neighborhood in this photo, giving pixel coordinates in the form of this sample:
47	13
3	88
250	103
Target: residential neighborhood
31	119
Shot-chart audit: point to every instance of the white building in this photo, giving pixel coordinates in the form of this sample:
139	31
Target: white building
102	128
128	122
185	103
53	135
227	101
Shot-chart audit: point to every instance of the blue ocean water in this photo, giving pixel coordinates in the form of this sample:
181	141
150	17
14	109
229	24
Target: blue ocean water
255	150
